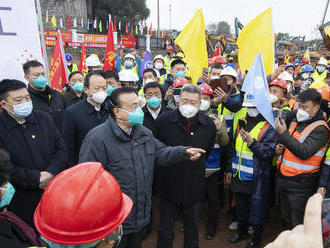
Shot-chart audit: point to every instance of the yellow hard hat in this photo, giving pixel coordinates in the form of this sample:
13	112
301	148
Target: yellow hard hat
180	55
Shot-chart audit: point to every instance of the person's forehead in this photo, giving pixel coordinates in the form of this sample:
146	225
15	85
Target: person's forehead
159	60
76	76
36	69
111	79
97	80
148	74
189	95
18	93
216	70
127	99
153	90
179	66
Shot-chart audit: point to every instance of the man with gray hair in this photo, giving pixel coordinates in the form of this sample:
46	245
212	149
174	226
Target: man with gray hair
182	185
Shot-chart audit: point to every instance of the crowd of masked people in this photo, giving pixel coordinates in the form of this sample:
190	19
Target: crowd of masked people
136	137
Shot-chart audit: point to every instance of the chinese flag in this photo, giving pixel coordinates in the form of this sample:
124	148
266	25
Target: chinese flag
69	23
114	24
126	29
150	30
109	56
82	65
57	71
217	51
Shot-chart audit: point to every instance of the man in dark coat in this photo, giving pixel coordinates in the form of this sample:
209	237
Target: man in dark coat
182	185
36	147
43	97
129	152
79	118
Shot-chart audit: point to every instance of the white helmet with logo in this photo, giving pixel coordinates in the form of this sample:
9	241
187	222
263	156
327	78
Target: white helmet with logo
248	100
229	71
127	75
129	55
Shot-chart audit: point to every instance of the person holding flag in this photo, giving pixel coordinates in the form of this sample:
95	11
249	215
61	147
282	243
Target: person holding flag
252	150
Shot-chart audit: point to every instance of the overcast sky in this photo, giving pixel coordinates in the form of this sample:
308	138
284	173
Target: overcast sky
296	17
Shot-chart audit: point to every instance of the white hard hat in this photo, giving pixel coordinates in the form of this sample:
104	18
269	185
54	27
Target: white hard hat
159	56
93	60
248	100
127	75
286	76
323	61
229	71
129	55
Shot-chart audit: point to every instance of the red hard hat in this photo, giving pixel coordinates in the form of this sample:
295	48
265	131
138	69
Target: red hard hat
81	205
219	59
169	48
280	83
305	61
210	61
206	89
179	82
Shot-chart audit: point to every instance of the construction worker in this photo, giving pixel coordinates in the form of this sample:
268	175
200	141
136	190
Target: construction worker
82	207
252	150
93	63
172	98
212	173
168	58
178	69
320	72
288	78
302	149
305	61
159	63
69	63
306	73
289	67
297	67
277	93
129	62
128	78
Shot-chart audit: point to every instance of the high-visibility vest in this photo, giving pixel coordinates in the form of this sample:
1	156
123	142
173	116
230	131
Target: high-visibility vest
319	77
293	103
74	68
327	158
241	114
167	64
242	165
227	114
290	165
133	69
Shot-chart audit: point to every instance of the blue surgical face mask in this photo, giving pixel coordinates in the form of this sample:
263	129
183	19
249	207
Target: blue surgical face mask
128	64
320	69
40	82
8	195
154	102
135	118
55	245
78	87
110	89
180	74
22	110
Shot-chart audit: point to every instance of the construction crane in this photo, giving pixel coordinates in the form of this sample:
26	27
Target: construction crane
226	43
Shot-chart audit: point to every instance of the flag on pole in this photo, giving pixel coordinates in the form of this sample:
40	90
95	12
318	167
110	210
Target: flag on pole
255	87
146	63
109	56
136	29
82	22
82	65
132	29
217	51
126	29
107	25
87	25
53	21
69	23
119	26
306	55
257	36
61	23
114	25
75	22
150	30
47	17
100	26
95	23
58	74
192	41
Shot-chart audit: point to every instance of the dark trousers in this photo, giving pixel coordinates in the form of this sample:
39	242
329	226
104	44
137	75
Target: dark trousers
168	215
293	206
212	187
132	240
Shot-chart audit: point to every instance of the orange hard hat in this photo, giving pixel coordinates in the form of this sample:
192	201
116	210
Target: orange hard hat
81	205
206	89
280	83
305	61
325	92
180	82
169	48
219	59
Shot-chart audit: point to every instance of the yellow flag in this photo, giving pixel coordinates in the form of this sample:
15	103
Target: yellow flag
306	55
327	31
53	20
192	41
255	37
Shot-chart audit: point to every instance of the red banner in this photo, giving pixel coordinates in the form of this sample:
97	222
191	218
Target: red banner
128	41
66	35
82	65
109	56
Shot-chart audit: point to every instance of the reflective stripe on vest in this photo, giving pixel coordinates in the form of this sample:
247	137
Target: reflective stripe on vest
213	161
228	115
290	165
243	161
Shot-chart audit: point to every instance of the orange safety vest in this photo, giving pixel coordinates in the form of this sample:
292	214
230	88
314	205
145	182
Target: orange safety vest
293	103
290	165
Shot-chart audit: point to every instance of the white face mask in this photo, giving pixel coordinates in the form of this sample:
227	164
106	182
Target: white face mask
159	66
302	115
99	97
149	80
253	112
273	98
188	110
213	77
305	75
205	105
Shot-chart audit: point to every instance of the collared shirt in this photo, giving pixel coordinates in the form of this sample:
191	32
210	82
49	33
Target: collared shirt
154	114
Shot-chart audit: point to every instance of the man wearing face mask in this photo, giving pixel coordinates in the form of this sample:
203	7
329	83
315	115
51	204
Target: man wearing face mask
251	153
43	97
79	118
178	70
168	58
128	78
277	93
320	72
83	207
306	73
158	63
302	148
75	88
129	62
182	185
37	150
69	63
129	152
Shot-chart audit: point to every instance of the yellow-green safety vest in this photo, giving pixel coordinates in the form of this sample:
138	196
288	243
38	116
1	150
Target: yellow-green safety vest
227	114
74	68
238	115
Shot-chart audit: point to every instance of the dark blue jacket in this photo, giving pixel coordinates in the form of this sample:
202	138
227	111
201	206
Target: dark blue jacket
234	101
78	119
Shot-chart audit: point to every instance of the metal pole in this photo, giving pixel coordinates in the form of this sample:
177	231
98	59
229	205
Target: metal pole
170	10
41	29
325	12
157	23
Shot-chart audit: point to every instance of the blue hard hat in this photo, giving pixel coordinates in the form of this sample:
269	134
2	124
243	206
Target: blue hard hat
289	65
297	61
68	56
307	68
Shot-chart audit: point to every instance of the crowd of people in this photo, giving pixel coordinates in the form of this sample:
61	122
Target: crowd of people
114	140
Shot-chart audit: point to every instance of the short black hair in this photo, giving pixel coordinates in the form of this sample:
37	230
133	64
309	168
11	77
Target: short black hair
75	73
29	64
8	85
89	75
152	85
110	74
216	66
4	167
299	77
150	70
114	97
177	61
310	95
